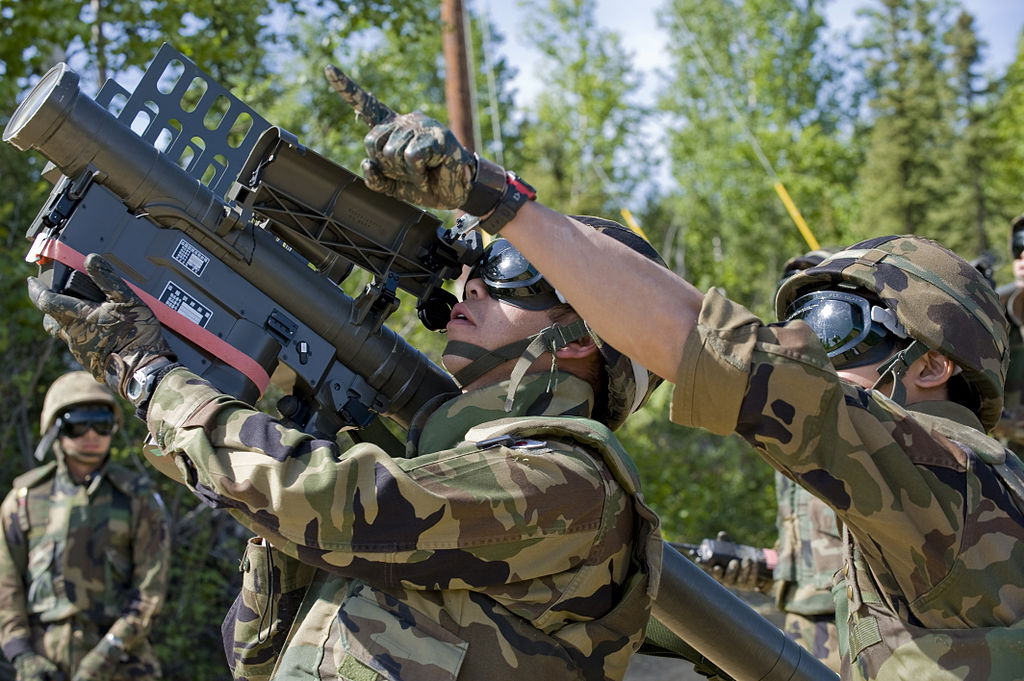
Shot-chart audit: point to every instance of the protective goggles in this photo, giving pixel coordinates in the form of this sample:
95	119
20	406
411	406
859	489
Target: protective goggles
1017	243
509	277
854	331
77	422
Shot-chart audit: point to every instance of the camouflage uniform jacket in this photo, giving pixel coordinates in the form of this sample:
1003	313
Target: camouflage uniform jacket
937	523
1010	428
512	547
95	555
810	550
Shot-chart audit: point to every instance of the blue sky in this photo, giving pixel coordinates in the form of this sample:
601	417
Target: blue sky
999	22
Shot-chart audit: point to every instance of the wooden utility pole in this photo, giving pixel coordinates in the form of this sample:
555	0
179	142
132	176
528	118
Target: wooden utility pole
456	87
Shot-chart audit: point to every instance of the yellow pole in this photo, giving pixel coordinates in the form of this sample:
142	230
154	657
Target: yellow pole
632	223
797	218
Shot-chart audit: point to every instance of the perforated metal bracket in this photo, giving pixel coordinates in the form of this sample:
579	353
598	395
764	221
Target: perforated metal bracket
190	117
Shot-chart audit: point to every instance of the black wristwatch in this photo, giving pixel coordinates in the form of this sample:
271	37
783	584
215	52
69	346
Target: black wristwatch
517	192
486	188
140	386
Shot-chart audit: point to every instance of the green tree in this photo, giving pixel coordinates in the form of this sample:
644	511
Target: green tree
729	87
976	211
737	122
1007	126
902	184
581	137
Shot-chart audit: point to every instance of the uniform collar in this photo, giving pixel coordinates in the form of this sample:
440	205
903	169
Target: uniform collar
446	427
948	410
64	475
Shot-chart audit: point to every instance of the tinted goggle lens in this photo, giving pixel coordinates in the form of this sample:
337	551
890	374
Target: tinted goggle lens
1017	244
78	422
842	322
510	277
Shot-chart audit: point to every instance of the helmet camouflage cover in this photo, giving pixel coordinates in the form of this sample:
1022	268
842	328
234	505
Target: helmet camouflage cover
943	302
76	387
628	384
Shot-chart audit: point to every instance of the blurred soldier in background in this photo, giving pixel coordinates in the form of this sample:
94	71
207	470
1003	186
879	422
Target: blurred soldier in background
85	550
1010	428
809	550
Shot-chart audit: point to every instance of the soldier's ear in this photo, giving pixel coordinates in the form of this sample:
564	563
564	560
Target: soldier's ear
578	349
931	371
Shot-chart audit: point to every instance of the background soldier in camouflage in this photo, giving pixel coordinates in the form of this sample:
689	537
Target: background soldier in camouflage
809	550
875	395
1010	428
85	551
513	544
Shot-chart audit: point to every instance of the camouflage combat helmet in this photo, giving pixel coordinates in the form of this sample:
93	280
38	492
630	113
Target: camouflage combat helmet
799	263
510	277
944	303
77	387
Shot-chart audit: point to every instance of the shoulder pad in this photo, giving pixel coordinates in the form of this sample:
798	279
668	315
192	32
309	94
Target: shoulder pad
35	476
990	451
587	432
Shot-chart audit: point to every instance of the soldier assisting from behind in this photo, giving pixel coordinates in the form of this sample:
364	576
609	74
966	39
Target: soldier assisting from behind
85	550
875	394
512	544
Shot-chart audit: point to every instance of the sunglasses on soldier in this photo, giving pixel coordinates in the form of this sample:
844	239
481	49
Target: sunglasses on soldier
855	331
1017	243
77	422
510	278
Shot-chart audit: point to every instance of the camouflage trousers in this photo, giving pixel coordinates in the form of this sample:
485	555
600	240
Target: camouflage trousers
65	643
816	633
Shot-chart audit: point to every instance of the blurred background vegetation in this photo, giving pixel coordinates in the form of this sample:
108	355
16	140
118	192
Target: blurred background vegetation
898	132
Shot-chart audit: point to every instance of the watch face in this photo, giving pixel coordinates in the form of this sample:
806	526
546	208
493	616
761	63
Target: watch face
133	389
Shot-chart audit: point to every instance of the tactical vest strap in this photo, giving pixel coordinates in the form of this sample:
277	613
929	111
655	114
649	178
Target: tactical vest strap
24	521
863	634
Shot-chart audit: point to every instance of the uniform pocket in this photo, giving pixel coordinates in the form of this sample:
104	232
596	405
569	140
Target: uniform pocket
382	638
826	545
273	586
41	568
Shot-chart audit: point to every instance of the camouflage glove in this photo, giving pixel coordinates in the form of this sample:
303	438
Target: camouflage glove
33	667
737	574
742	573
411	157
100	663
111	339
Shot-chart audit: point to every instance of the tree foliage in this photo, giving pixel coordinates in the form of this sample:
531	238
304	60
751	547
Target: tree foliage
582	139
738	122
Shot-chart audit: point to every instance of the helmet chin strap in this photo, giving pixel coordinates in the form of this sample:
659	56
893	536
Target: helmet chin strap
896	367
46	442
527	350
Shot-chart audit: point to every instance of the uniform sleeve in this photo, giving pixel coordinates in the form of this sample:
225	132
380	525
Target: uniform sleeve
490	516
151	556
15	634
886	476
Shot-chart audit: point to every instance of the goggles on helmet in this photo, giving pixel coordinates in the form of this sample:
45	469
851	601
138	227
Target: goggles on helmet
854	331
1017	243
77	422
509	277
